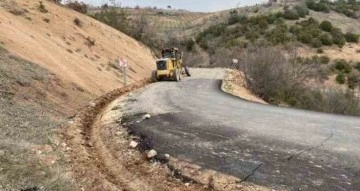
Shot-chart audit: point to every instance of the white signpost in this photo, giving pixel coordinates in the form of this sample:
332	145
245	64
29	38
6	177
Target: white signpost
123	63
235	62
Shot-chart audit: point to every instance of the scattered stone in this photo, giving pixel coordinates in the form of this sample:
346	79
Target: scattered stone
134	144
147	116
89	144
131	94
118	133
138	121
167	156
71	122
151	154
116	108
63	145
187	184
2	152
92	104
239	186
25	124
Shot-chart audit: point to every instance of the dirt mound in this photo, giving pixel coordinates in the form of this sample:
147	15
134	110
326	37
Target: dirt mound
75	47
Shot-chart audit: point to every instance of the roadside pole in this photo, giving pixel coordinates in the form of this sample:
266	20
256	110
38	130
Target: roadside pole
123	63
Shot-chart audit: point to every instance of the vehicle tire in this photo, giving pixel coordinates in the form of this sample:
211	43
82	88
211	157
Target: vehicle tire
176	75
154	76
187	71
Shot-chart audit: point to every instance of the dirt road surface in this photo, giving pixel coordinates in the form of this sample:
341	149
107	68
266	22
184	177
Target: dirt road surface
280	148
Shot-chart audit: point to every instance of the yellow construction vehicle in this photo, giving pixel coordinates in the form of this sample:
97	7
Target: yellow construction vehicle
170	66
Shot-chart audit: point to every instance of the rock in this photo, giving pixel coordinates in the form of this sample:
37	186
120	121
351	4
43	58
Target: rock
118	133
92	104
187	184
133	144
131	94
238	186
89	144
167	156
63	145
147	116
71	122
151	154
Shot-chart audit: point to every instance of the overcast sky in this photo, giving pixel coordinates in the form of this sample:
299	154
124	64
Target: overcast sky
193	5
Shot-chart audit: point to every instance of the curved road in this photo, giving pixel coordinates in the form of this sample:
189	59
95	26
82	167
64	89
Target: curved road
280	148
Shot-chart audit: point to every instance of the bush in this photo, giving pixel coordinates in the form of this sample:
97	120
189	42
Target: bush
334	100
342	66
320	51
302	11
304	37
190	45
42	7
291	15
326	40
326	26
340	78
324	59
338	37
354	80
115	17
351	37
79	7
357	66
316	43
46	20
77	22
319	7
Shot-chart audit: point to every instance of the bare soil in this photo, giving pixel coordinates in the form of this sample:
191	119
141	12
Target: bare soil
235	84
81	54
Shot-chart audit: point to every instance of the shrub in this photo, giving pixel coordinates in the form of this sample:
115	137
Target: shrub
304	37
291	14
326	40
354	80
77	22
190	45
320	51
340	78
302	10
79	7
357	66
46	20
42	7
338	37
324	59
333	100
351	37
342	65
115	17
326	26
319	7
316	43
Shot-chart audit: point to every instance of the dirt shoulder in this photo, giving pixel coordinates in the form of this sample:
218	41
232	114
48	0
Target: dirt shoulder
234	83
98	145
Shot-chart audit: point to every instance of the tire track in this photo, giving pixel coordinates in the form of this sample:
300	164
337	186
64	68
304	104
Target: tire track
93	164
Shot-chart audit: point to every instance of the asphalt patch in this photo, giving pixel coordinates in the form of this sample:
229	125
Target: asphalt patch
251	158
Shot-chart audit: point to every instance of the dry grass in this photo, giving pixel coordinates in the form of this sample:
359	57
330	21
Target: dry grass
29	150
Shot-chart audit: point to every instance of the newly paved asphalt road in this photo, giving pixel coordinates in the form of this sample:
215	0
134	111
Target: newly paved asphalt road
277	147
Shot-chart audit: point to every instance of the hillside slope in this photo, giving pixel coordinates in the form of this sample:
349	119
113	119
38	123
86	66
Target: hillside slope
78	54
50	68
